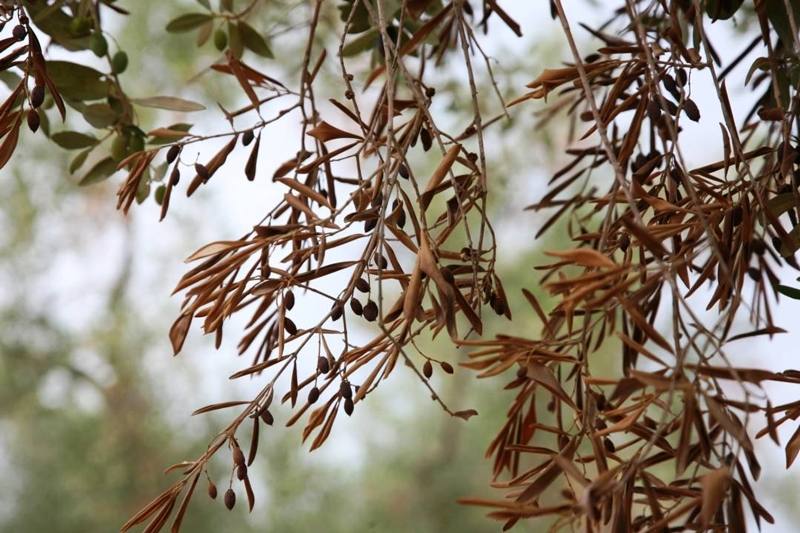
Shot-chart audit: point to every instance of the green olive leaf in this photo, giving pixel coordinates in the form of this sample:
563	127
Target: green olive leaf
363	42
73	140
188	22
100	172
253	40
77	82
170	103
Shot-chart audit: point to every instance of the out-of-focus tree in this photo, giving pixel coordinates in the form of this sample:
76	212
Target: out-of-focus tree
379	246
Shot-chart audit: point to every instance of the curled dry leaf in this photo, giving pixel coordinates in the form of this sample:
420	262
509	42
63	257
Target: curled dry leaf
178	332
584	257
715	484
325	132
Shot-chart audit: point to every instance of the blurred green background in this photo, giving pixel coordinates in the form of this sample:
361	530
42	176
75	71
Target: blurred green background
92	405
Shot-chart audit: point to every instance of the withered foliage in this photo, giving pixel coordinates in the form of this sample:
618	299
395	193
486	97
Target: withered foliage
363	234
665	444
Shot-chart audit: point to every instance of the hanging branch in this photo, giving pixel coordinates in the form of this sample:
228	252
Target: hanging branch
664	438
